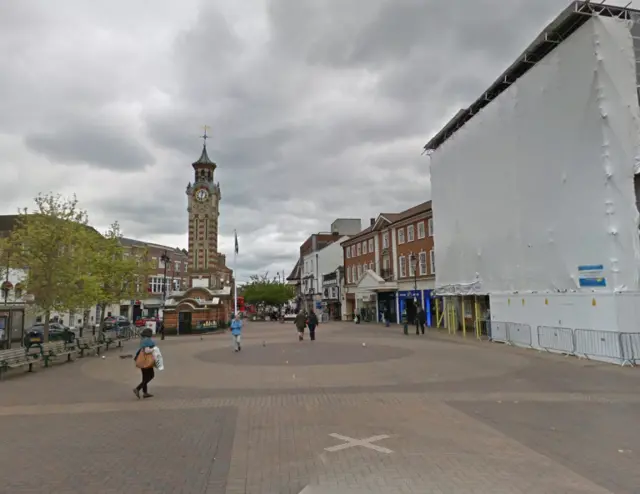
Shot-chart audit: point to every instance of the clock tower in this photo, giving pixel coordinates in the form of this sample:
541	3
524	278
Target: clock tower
205	264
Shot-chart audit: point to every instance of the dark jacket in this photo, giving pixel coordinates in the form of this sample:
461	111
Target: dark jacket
313	319
300	321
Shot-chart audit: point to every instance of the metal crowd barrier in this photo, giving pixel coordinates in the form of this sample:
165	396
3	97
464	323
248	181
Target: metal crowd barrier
622	348
509	332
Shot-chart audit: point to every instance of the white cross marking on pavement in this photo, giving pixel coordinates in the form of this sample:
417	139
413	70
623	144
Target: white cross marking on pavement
366	443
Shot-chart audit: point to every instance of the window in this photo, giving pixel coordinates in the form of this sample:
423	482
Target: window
432	261
177	267
359	249
412	270
371	266
353	274
364	247
349	274
423	263
410	233
155	284
348	252
353	251
176	284
311	267
403	267
430	227
385	263
385	240
371	245
359	271
160	263
421	230
401	236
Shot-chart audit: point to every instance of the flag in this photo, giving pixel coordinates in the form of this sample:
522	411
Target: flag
236	236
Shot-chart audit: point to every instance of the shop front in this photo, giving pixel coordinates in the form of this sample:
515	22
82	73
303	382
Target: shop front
387	304
408	302
369	294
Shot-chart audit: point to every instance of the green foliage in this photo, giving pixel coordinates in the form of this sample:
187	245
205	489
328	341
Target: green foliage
263	291
52	243
118	273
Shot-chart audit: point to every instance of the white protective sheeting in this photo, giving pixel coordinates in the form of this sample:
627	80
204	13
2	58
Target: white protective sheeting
541	180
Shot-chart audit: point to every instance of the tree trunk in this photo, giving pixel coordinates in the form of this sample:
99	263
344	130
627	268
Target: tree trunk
85	321
45	330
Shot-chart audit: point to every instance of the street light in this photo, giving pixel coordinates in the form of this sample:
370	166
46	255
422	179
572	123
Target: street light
414	265
165	259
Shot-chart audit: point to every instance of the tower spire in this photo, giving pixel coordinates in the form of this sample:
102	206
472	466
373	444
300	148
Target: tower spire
204	157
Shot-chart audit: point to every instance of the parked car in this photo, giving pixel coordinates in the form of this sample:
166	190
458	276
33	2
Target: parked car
57	332
116	323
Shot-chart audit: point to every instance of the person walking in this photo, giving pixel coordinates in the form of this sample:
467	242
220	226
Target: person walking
145	361
300	322
236	333
313	324
422	319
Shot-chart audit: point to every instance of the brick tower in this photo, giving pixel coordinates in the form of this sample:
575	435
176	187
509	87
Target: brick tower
203	196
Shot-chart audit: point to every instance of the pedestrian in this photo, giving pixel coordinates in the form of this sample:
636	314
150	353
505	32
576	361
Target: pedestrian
386	317
313	324
300	322
161	329
236	333
145	361
422	319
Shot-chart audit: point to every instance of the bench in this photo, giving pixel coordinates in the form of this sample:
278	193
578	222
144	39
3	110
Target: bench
111	338
87	343
55	349
15	358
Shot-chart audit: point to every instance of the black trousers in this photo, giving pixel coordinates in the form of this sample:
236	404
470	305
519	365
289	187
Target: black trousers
422	327
147	376
312	332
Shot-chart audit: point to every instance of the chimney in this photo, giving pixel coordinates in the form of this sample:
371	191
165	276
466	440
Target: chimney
373	221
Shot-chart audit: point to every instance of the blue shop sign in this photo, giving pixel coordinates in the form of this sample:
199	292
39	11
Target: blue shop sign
410	294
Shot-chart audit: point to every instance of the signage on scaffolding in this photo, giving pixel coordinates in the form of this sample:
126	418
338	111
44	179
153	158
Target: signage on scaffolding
591	275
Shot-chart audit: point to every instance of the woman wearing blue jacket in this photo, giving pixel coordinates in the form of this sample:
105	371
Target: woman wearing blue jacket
236	332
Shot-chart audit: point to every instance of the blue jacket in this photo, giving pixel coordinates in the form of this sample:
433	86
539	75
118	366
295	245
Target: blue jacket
236	327
145	343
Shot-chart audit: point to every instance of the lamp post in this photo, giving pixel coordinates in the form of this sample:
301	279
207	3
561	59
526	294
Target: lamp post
165	259
414	265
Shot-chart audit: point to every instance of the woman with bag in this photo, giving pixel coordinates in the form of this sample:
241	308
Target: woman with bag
145	360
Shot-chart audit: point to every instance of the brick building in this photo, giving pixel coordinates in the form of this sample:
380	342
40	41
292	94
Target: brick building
390	266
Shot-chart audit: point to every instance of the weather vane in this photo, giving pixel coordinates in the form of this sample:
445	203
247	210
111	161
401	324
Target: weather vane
205	136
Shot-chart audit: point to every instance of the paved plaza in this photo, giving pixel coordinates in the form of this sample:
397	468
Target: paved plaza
364	409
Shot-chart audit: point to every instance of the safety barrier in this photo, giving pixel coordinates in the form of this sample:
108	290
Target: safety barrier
608	346
630	343
498	331
556	339
509	332
600	344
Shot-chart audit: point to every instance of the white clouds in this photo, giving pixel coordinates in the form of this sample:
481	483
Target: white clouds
318	108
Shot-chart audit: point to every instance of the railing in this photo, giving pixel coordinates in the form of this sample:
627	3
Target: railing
610	346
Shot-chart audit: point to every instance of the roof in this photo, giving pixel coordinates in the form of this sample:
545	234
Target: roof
393	218
204	158
10	221
569	20
295	272
131	242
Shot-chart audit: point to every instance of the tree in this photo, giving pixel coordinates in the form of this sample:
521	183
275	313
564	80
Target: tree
118	273
263	291
51	244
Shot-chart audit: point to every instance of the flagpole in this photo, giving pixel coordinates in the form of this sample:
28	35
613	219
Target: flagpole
235	273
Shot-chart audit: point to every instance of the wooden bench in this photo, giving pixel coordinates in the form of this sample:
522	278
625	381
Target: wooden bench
15	358
87	343
55	349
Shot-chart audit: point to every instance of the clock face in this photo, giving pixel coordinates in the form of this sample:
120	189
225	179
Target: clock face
202	195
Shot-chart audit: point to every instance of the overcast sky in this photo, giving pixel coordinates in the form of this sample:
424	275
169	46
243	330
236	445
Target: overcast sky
318	109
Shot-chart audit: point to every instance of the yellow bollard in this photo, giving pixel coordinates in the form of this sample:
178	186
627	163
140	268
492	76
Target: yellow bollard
477	317
437	313
464	320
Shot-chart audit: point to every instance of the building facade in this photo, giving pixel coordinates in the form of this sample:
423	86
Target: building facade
390	267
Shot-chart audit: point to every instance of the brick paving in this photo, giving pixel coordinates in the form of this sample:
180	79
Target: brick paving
460	416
